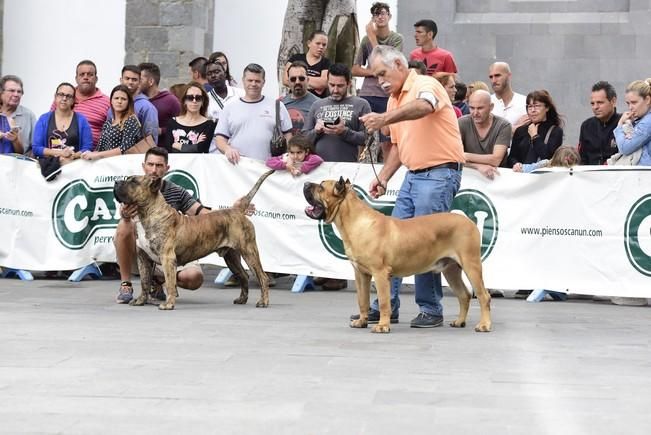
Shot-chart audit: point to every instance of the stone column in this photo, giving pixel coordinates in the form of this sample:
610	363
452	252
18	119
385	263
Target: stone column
2	8
169	33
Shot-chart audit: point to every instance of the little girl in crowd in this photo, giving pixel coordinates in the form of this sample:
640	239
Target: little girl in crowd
564	157
298	159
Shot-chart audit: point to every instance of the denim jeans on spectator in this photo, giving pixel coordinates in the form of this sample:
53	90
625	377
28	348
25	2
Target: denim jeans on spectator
421	194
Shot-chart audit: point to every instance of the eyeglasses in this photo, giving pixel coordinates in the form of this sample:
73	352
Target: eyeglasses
381	14
535	107
65	96
193	97
299	78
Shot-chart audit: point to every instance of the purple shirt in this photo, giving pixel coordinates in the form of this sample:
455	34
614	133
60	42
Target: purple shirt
168	107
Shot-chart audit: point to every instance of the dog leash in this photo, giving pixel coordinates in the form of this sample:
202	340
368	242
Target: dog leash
370	138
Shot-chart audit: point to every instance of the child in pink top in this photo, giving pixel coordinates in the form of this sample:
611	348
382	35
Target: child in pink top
298	159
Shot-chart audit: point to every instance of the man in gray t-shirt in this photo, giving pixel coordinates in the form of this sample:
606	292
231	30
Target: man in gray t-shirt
299	101
485	137
333	123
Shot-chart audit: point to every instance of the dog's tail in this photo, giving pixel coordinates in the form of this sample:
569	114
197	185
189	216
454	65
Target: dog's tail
244	202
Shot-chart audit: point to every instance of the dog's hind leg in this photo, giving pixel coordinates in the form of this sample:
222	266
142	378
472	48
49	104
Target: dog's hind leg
474	274
146	270
452	275
252	258
234	263
363	287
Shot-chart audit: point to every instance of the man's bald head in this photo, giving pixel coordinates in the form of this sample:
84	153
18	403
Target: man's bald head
480	96
502	66
480	106
499	74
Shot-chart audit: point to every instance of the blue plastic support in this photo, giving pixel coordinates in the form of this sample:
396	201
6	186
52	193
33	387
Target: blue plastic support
302	283
24	275
91	270
223	276
538	295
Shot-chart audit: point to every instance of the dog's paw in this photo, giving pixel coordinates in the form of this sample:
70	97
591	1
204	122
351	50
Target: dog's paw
166	306
139	302
381	329
483	327
359	323
261	304
240	301
458	324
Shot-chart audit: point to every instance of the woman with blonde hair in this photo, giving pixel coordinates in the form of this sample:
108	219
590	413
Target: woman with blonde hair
633	132
477	85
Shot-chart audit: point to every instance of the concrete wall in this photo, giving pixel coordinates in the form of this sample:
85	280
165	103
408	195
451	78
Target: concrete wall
562	46
169	33
59	35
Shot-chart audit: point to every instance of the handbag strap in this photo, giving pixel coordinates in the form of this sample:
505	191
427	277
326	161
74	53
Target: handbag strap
549	132
277	113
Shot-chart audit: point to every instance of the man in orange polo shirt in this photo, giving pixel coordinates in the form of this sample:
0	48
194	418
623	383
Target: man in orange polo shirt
425	138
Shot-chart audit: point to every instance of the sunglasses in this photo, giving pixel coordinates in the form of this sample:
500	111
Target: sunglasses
300	79
193	98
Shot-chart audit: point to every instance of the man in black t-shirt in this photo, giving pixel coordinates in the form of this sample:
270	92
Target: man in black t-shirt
596	139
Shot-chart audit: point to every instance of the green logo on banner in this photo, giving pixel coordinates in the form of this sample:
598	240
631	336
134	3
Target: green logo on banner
80	210
185	180
637	235
328	234
476	206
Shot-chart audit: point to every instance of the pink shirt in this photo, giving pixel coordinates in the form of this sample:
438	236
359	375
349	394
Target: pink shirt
94	109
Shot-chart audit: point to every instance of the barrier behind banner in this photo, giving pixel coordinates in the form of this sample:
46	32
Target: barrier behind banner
588	229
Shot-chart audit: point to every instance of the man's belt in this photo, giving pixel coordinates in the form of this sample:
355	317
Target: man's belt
450	165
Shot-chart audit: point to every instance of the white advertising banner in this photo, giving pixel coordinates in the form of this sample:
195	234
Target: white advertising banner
586	229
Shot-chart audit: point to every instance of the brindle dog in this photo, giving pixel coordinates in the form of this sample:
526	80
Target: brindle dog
169	238
380	246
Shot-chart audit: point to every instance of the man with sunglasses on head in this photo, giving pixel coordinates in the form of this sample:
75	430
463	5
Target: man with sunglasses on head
299	101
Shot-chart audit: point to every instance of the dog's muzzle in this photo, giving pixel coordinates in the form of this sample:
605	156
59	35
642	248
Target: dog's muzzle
315	210
118	188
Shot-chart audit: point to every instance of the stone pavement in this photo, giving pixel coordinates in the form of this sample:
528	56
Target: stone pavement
74	362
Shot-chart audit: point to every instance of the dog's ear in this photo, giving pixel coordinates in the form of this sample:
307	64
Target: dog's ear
155	184
340	187
348	183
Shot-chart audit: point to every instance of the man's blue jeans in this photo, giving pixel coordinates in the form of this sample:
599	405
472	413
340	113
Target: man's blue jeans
421	194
